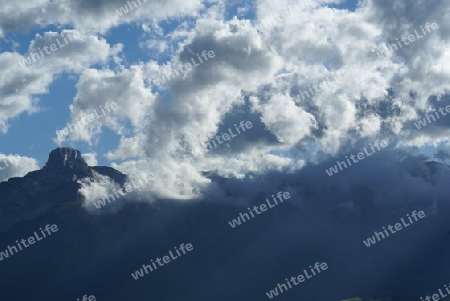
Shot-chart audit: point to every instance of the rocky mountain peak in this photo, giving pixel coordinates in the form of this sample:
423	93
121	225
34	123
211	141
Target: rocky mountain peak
51	188
64	158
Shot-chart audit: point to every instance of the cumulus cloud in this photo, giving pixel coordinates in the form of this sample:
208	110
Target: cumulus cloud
123	97
16	166
96	189
24	79
19	88
260	75
264	72
90	158
101	188
68	50
94	16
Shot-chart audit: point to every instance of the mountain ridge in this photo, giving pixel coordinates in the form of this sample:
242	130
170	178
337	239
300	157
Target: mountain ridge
56	183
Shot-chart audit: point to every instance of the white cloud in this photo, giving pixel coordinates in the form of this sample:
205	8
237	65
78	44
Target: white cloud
92	16
16	166
18	89
90	158
164	129
298	51
96	189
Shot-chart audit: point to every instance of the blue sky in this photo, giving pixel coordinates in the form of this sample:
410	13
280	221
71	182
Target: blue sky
36	131
283	77
125	54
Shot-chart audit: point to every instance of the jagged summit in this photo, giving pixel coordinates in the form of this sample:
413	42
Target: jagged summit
65	157
57	183
65	164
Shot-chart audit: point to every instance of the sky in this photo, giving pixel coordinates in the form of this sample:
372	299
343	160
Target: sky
54	103
342	104
256	72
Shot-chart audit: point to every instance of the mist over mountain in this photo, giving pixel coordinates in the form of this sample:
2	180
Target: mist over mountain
54	186
99	252
225	149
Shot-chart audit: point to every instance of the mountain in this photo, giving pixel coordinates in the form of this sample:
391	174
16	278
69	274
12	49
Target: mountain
49	188
95	254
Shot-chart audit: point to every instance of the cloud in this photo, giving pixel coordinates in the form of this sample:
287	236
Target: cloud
74	51
96	189
93	16
90	158
256	74
16	166
97	88
22	83
18	89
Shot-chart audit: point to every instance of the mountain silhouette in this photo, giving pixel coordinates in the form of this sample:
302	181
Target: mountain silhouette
55	184
95	254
